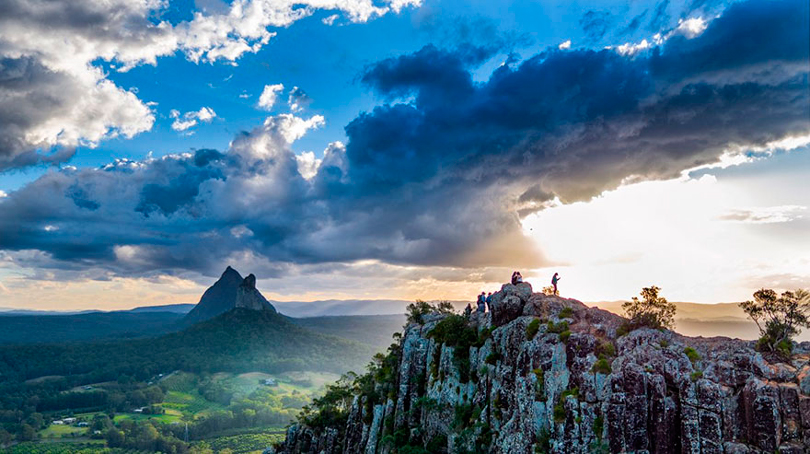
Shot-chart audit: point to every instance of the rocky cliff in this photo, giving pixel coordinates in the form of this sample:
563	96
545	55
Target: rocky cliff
547	374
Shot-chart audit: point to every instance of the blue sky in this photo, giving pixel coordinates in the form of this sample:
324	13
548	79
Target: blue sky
326	62
465	130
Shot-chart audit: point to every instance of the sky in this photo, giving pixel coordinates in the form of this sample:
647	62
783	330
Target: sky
401	148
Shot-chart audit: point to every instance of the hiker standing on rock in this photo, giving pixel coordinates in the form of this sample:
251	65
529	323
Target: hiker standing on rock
482	302
516	278
489	301
554	281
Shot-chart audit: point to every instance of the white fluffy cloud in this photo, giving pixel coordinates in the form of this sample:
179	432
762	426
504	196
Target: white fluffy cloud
692	27
54	94
565	45
190	119
269	95
307	164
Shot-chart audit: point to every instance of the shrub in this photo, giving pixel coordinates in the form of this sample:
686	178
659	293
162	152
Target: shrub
565	335
540	384
559	409
692	354
779	318
463	416
532	328
557	328
543	445
566	312
652	311
493	358
570	392
664	343
454	332
601	366
483	335
605	349
696	375
559	412
598	427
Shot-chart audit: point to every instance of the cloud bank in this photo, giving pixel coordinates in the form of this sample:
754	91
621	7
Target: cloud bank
443	171
54	94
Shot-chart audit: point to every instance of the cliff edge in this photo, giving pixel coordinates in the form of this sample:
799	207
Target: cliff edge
547	374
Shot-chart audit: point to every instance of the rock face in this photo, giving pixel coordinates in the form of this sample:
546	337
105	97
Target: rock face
228	292
249	298
549	374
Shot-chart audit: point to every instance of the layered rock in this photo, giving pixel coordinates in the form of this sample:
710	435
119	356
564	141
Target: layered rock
551	375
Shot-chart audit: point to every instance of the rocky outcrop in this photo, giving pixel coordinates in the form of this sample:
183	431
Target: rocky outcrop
548	374
248	297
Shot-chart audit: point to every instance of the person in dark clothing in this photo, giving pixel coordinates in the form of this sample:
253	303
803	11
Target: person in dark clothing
467	310
481	302
489	301
516	278
554	281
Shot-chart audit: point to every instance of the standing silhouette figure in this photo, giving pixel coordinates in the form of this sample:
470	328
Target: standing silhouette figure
554	281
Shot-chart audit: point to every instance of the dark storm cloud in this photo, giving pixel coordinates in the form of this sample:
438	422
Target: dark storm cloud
441	173
29	91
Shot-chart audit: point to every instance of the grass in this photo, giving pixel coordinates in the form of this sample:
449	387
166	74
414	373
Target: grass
189	403
59	431
171	415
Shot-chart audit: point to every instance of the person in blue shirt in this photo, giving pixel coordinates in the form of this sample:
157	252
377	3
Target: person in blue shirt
554	281
481	302
489	301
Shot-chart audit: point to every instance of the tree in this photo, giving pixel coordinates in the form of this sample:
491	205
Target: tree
421	308
27	433
778	318
5	437
651	311
115	438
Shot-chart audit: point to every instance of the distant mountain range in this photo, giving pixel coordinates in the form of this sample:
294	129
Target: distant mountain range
233	328
27	326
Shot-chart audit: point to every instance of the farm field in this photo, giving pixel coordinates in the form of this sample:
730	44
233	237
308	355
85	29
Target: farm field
198	399
244	443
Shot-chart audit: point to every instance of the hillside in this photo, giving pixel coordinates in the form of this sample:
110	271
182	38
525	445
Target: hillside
49	329
546	374
373	330
239	340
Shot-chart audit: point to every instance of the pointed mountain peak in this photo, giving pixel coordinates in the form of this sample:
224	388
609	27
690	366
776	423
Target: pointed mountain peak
228	292
230	272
